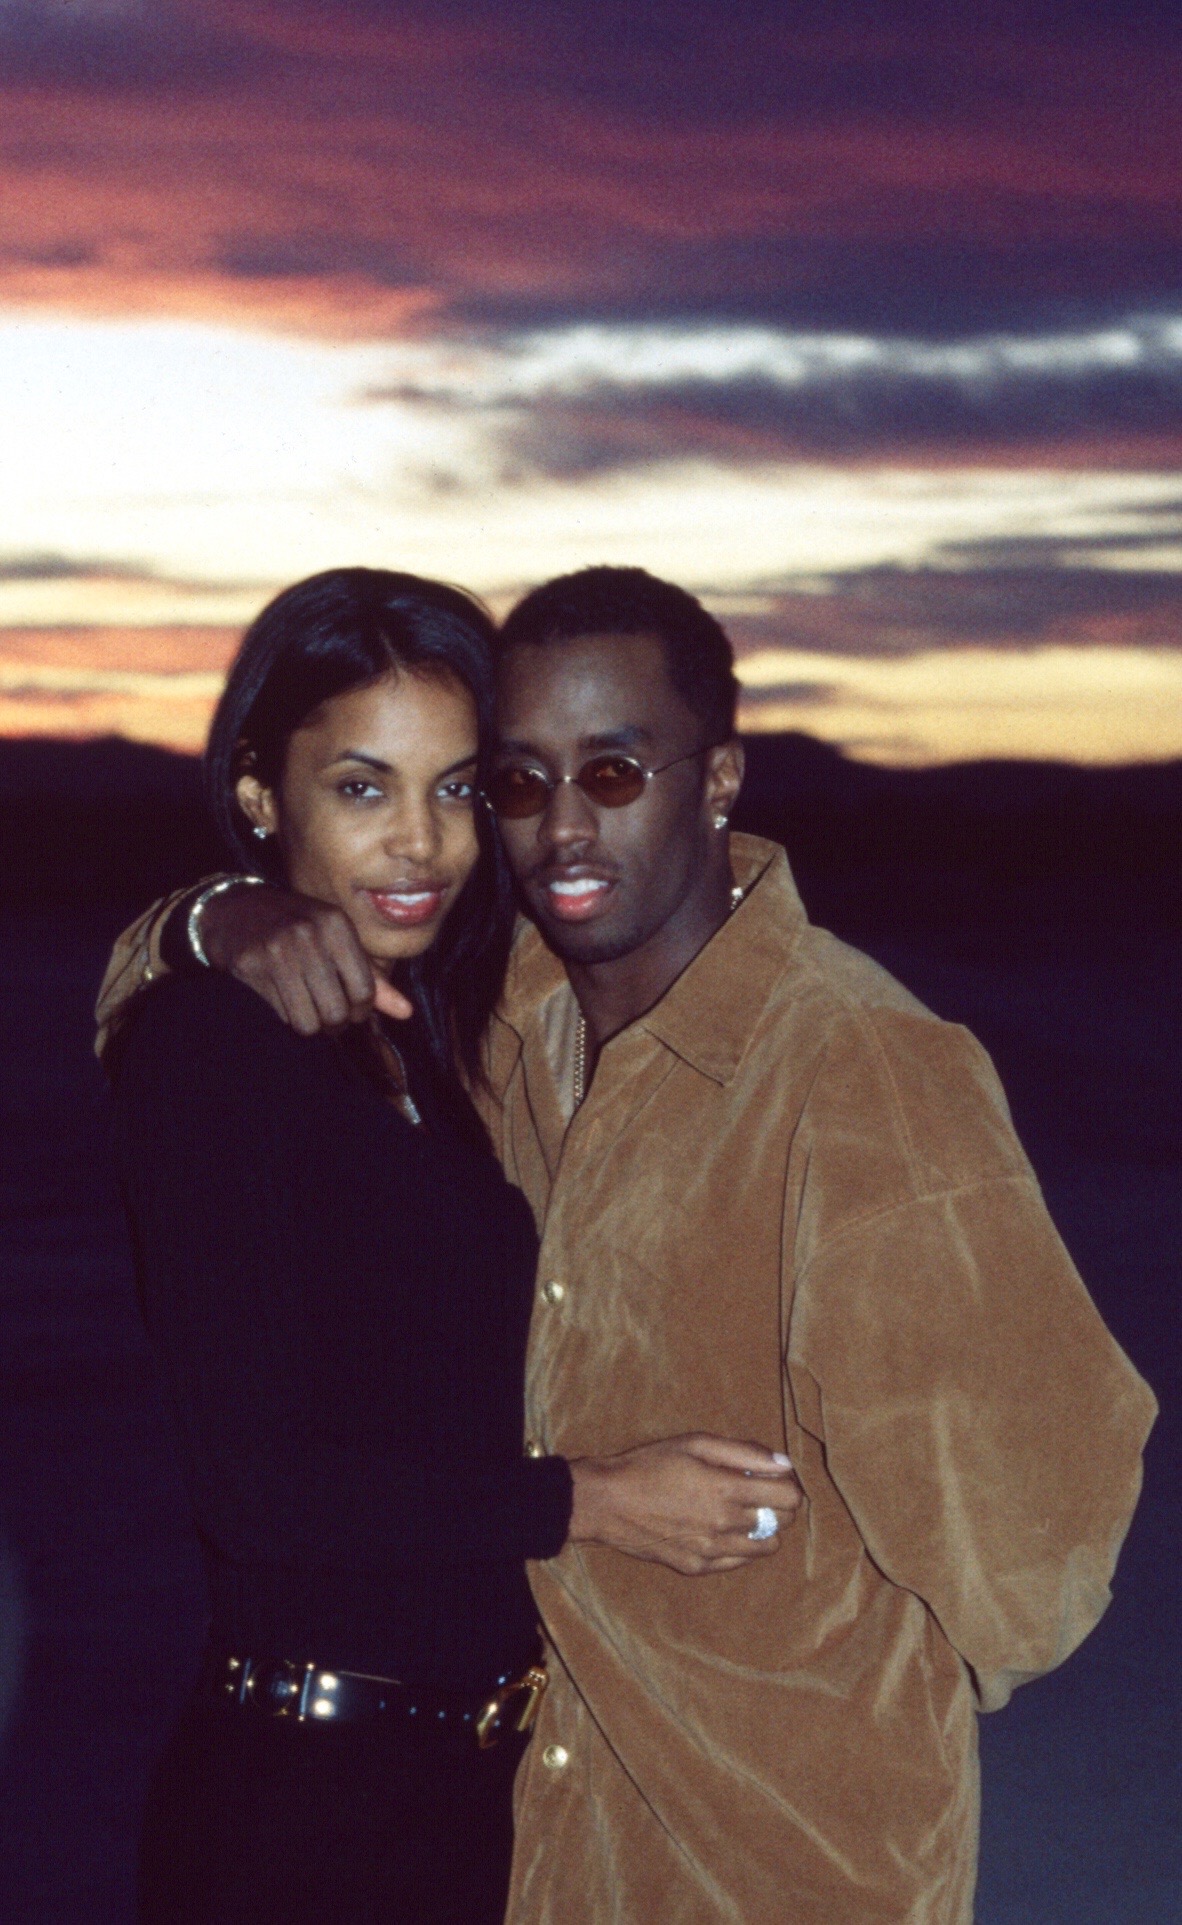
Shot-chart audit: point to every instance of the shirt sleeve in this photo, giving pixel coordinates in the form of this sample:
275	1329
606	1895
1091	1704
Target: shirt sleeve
981	1425
271	1194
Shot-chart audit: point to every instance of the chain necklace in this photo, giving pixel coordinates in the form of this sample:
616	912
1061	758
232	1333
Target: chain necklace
581	1026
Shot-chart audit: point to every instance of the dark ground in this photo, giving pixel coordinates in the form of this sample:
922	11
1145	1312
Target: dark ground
1041	906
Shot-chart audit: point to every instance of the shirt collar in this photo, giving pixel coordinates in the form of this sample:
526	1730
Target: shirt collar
707	1016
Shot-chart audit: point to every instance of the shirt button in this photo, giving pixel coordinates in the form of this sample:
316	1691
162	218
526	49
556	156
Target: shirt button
556	1757
533	1448
554	1291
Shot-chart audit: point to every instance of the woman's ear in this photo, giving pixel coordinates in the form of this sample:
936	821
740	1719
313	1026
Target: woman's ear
257	803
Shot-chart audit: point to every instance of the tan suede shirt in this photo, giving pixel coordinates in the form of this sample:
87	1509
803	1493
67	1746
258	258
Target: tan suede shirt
793	1208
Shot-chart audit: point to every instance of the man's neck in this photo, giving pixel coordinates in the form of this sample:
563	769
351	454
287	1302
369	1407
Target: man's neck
613	994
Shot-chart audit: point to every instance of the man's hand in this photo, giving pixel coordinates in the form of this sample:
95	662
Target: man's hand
688	1502
300	955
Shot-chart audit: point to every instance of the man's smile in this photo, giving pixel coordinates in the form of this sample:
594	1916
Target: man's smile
576	894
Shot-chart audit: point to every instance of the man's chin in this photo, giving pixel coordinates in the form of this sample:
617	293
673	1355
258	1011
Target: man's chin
585	942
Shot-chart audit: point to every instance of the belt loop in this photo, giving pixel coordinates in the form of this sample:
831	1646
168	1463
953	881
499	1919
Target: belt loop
302	1701
246	1671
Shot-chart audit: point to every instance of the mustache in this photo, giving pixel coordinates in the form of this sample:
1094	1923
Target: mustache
554	871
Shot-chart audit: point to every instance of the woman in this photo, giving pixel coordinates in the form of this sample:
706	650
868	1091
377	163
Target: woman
337	1280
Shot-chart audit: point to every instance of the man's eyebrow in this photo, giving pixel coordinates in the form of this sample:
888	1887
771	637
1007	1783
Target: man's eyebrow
514	745
629	735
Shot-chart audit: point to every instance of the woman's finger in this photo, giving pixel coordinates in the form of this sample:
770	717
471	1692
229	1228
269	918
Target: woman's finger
323	984
391	1001
352	965
729	1454
301	1012
780	1493
742	1547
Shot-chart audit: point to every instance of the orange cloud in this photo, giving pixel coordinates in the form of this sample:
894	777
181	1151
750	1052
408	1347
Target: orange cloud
193	650
1113	700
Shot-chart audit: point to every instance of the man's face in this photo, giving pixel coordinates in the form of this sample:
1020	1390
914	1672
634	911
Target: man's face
600	882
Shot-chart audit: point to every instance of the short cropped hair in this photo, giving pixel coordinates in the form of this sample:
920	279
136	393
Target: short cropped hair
630	601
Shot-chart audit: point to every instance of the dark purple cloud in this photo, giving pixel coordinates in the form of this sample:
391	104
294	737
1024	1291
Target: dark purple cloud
921	168
1034	600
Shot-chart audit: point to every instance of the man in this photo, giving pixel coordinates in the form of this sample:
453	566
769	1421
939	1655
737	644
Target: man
777	1199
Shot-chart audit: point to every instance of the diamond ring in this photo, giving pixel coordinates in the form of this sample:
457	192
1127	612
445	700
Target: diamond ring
766	1524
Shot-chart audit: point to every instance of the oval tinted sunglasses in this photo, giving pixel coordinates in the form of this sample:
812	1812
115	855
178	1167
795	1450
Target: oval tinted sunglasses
611	781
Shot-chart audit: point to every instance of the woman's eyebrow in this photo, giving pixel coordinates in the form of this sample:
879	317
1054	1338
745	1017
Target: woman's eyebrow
359	755
387	768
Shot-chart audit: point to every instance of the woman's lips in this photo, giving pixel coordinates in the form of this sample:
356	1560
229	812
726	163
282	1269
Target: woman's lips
577	898
407	907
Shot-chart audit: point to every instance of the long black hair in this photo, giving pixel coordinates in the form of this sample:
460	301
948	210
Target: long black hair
337	631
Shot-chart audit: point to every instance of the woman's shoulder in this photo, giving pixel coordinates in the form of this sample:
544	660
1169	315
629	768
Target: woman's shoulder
212	1026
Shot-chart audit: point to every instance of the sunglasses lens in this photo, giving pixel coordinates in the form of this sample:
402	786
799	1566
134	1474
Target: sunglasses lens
612	780
517	792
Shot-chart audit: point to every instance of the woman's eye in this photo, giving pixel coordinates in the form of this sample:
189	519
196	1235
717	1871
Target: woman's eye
357	789
458	790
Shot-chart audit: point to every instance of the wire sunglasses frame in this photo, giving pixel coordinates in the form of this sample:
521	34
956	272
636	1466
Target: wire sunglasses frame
610	780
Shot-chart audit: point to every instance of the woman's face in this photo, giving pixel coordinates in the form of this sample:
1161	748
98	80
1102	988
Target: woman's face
376	808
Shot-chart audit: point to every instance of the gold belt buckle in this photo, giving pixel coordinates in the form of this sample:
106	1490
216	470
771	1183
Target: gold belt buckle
533	1683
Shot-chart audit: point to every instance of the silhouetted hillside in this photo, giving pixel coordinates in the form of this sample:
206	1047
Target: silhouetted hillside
111	823
1008	842
1040	905
105	824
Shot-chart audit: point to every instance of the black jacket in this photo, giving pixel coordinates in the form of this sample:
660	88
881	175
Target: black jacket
339	1302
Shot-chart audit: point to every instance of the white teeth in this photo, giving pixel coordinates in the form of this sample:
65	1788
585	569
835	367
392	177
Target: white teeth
584	886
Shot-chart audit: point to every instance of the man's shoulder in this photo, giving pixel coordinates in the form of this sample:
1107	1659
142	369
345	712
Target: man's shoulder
849	981
911	1090
775	940
852	1006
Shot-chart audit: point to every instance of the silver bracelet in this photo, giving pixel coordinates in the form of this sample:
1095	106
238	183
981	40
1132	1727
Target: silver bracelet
193	923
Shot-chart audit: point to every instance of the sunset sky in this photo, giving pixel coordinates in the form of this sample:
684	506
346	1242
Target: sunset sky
864	322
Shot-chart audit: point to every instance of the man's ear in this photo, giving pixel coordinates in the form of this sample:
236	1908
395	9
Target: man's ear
257	802
724	777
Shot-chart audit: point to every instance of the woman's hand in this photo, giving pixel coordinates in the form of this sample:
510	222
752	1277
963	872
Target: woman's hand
688	1502
300	955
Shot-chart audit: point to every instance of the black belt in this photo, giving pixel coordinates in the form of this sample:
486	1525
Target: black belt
313	1694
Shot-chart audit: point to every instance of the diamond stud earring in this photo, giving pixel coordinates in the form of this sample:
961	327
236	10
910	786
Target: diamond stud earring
260	832
720	822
